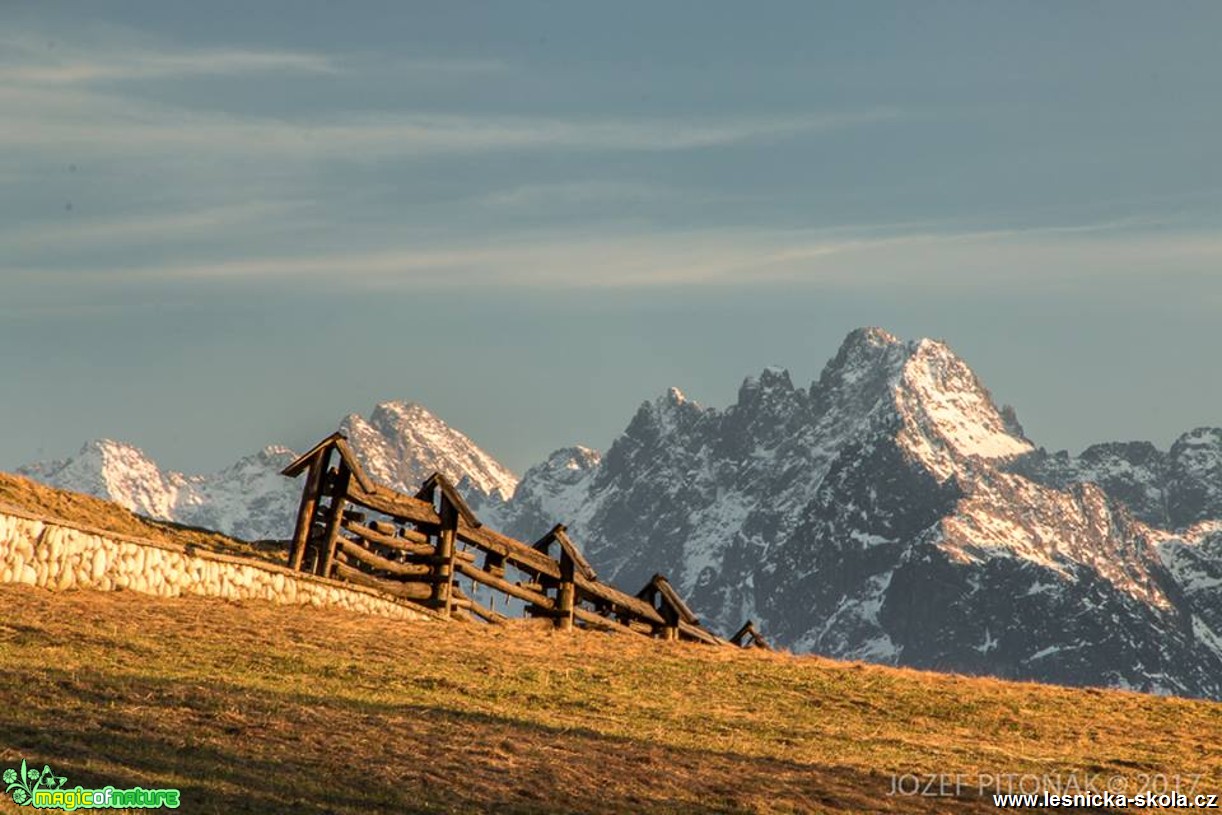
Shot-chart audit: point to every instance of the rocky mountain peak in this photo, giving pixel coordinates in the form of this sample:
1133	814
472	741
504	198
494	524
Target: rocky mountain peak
948	416
402	443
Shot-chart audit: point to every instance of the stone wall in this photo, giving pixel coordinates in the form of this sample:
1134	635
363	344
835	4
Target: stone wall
56	555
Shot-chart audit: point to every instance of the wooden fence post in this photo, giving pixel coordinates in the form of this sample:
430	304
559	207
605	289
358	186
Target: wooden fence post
566	593
443	575
339	497
305	512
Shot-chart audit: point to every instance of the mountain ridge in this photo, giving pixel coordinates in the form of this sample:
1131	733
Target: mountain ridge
890	511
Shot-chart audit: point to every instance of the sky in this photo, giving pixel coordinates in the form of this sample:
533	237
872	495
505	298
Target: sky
229	224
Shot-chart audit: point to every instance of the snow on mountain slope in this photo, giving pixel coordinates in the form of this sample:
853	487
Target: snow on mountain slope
116	471
402	443
949	417
888	512
249	499
1173	489
891	512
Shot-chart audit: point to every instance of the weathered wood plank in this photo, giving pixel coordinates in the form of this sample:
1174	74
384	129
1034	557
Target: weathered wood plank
443	570
354	464
672	597
500	584
595	620
391	541
394	504
749	632
305	512
373	561
566	594
697	633
335	518
395	588
297	467
522	556
587	589
475	607
579	560
450	492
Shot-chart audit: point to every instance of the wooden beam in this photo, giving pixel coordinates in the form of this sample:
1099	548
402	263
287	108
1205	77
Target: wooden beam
559	534
448	489
583	566
334	520
494	563
596	620
305	512
395	504
392	541
595	591
354	465
698	634
748	635
395	588
566	594
500	584
301	462
522	556
355	550
670	596
463	601
443	571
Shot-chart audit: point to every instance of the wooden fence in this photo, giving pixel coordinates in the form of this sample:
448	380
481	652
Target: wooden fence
431	549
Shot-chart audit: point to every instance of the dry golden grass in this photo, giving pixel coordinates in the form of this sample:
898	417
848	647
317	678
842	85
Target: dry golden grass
253	708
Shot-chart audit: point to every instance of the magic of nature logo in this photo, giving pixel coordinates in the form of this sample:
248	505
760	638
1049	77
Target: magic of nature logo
43	789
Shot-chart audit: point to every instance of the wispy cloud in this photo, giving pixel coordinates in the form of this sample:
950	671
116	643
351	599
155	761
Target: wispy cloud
36	60
137	228
110	125
724	257
74	96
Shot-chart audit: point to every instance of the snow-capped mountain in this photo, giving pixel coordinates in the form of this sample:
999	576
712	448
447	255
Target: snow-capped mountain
891	512
249	499
888	512
400	444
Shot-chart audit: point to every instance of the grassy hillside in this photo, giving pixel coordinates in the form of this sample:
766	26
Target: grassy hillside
255	708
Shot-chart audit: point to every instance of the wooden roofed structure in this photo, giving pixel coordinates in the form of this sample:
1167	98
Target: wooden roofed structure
431	549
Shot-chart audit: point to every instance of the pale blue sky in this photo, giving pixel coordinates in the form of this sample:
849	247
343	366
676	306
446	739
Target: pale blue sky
228	224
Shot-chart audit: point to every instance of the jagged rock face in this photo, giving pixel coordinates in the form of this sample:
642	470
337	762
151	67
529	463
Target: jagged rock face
1195	479
892	513
1173	490
889	512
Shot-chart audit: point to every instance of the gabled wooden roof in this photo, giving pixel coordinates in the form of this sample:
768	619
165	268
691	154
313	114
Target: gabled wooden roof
559	534
660	586
439	481
338	442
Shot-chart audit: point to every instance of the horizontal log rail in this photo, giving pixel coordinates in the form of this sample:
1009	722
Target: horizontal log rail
403	544
502	585
355	550
524	557
406	591
588	589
